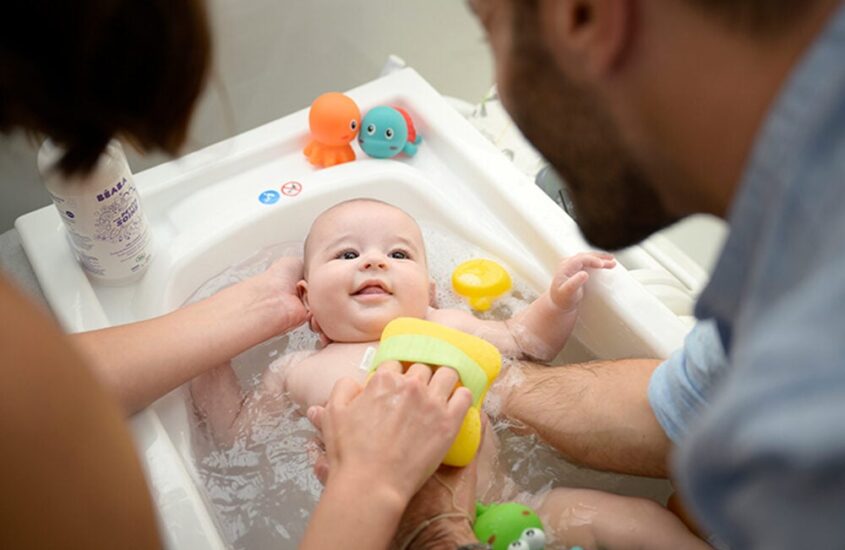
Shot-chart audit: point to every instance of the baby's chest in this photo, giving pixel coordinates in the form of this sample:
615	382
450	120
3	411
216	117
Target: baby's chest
317	375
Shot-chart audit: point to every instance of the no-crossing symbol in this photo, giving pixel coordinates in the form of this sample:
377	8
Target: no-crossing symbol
291	188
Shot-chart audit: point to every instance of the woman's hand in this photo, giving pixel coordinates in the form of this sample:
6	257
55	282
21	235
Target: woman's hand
394	431
278	284
382	442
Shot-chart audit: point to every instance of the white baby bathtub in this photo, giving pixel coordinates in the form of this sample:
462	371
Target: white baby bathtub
206	215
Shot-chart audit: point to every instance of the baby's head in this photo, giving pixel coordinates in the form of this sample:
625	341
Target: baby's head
365	265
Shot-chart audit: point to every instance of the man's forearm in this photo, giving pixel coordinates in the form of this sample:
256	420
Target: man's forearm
597	414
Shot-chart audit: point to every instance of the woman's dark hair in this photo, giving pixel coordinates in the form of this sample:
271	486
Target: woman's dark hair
84	71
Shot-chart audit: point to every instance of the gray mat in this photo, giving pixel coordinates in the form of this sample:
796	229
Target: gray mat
16	266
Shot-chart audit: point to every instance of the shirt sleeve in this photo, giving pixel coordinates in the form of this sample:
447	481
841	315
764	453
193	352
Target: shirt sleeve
680	387
764	465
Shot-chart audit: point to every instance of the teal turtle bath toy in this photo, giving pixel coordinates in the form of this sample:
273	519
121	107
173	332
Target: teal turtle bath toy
388	131
509	526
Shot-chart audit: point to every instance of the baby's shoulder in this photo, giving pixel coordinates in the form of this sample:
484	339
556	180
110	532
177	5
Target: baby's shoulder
289	360
453	318
279	370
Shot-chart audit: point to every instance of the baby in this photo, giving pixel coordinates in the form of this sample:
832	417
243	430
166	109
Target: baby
365	265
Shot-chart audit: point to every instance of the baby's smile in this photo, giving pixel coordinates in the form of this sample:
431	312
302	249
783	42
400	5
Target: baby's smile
372	287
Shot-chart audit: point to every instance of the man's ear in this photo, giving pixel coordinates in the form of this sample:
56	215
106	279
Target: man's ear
587	38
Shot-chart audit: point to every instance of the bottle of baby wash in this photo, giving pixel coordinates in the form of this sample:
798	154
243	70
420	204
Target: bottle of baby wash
102	214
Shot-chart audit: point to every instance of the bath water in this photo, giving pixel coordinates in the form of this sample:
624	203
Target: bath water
262	488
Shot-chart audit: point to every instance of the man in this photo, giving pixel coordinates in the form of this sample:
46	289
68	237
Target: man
656	110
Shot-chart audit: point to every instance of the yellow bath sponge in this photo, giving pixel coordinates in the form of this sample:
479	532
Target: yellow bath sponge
476	361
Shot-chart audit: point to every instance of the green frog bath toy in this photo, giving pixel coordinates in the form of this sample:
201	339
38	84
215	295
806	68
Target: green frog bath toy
509	526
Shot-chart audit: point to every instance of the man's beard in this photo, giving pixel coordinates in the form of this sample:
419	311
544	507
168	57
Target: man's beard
615	205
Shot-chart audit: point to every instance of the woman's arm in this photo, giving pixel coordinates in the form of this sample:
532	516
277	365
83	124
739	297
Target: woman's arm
71	470
141	362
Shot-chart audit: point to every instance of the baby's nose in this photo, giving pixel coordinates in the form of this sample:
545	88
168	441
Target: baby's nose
374	262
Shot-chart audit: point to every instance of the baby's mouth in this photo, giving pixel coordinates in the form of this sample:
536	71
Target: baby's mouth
371	288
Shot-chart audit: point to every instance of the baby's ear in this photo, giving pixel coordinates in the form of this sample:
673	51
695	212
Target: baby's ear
302	292
432	294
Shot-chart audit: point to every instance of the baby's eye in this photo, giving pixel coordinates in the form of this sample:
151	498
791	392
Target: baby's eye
347	255
400	255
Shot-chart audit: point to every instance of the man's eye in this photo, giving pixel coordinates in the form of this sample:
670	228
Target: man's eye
347	255
399	255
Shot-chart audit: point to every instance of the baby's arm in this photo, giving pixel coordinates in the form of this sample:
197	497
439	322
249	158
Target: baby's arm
218	400
540	330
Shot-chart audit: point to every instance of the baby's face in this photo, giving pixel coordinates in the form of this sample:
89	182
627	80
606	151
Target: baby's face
365	266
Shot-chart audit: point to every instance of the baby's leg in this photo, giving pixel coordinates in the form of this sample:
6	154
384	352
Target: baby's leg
494	485
218	399
597	520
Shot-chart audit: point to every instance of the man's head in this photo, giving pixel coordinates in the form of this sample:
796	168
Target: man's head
647	109
83	72
365	265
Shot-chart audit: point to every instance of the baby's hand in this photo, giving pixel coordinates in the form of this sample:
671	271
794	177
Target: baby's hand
567	287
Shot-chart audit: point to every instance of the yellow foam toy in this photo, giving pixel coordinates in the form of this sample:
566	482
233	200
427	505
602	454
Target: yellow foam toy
476	361
480	281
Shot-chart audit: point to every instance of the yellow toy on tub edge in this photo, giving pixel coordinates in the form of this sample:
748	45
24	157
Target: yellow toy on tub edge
476	361
481	281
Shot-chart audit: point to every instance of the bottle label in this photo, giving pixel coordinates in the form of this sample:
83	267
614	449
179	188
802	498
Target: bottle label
108	230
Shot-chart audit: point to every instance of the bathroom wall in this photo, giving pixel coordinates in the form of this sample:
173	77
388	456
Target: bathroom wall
272	57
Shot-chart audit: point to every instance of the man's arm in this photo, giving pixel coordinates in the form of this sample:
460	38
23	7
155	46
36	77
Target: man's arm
620	415
597	414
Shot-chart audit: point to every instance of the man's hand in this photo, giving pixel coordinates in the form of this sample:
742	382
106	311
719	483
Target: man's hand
442	512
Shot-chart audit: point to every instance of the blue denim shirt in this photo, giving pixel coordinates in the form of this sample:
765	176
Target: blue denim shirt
756	399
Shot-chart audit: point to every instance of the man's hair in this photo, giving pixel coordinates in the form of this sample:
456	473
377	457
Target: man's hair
82	72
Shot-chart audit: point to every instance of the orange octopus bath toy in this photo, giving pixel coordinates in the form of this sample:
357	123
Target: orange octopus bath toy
334	120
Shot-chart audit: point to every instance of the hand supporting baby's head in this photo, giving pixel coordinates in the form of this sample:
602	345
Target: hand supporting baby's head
365	265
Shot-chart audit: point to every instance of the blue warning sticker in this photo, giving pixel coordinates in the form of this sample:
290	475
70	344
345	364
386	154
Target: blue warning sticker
270	196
